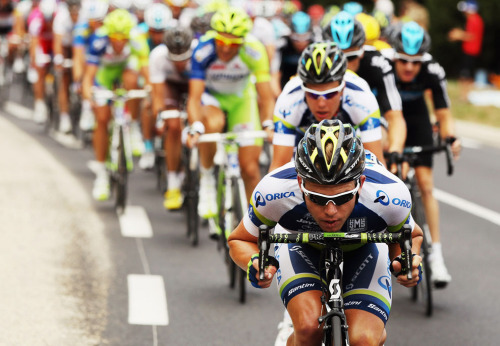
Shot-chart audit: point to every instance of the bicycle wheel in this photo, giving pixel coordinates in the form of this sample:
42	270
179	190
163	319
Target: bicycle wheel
191	198
238	208
161	170
121	175
424	288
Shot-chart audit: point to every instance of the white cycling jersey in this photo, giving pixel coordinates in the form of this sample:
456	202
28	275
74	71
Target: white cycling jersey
162	69
359	107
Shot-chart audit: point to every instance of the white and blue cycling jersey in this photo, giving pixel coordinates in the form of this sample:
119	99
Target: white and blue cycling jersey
359	107
384	203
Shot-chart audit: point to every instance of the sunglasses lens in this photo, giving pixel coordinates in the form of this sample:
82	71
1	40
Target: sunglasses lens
320	200
327	96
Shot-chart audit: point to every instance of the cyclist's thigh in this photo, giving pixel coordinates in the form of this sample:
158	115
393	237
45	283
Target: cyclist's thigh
298	272
367	280
109	76
214	118
364	325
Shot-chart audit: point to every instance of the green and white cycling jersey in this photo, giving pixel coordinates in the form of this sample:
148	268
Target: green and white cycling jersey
233	77
359	107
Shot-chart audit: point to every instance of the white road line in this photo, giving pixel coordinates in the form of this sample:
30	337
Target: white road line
147	300
467	206
134	222
470	143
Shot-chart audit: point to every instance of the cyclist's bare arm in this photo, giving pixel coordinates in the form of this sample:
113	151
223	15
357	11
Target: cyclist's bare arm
265	93
158	97
57	47
242	245
447	128
395	250
78	62
145	73
88	80
281	155
397	130
196	89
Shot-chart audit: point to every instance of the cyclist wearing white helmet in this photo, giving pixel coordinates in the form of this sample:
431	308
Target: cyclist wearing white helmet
123	4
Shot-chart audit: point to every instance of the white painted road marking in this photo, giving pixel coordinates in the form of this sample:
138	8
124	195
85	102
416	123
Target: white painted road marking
467	206
134	222
147	300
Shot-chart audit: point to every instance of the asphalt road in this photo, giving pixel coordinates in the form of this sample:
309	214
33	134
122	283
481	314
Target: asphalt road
87	262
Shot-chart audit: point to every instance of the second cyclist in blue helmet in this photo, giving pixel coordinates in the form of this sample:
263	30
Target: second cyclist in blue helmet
373	67
416	72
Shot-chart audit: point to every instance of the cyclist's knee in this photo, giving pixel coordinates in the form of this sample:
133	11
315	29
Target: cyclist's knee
306	332
174	127
364	338
130	79
250	169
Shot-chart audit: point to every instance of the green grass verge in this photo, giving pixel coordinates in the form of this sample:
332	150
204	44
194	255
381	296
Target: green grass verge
487	115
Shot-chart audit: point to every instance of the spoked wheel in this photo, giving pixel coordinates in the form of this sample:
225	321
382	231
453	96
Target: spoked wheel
423	290
191	197
238	209
121	176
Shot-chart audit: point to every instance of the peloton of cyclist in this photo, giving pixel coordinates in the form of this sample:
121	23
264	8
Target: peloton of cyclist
373	67
324	90
333	185
416	71
115	56
220	84
169	68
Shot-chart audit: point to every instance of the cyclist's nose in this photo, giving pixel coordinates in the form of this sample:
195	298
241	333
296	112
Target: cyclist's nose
330	208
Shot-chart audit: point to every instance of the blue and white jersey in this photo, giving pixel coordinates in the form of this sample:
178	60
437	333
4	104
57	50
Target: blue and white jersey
359	107
277	201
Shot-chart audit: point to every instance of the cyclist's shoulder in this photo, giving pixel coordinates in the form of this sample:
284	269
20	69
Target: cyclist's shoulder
355	83
291	100
433	68
253	50
374	62
205	48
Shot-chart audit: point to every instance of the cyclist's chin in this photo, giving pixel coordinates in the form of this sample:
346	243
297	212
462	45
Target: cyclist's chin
331	226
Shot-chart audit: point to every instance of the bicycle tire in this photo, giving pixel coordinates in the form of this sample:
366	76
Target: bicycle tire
424	288
337	337
221	200
161	171
121	175
238	208
191	201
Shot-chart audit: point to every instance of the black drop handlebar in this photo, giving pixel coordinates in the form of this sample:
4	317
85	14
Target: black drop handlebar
402	237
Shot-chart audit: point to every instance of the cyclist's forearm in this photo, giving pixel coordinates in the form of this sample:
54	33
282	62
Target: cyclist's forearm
88	78
242	245
265	93
397	130
446	124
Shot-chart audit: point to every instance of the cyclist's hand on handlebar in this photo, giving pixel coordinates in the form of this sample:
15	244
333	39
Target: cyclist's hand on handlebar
192	139
270	134
456	146
416	269
253	273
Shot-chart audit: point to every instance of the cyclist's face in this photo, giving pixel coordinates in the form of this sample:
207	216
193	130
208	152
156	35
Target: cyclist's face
156	36
322	107
118	44
227	46
330	217
353	55
407	70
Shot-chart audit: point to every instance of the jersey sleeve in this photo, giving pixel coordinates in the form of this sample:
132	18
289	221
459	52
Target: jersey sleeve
437	83
362	107
81	32
157	59
97	47
383	83
140	47
203	55
288	112
254	54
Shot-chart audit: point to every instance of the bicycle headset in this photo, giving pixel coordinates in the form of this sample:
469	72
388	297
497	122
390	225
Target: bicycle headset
347	162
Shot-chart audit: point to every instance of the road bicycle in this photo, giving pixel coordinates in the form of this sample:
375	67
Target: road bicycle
424	289
119	162
333	322
232	201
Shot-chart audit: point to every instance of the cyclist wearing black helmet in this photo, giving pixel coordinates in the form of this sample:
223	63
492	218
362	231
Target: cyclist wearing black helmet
324	90
416	71
169	68
333	185
373	67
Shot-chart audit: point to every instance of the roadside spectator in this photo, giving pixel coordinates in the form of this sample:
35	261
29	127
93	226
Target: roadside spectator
472	38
